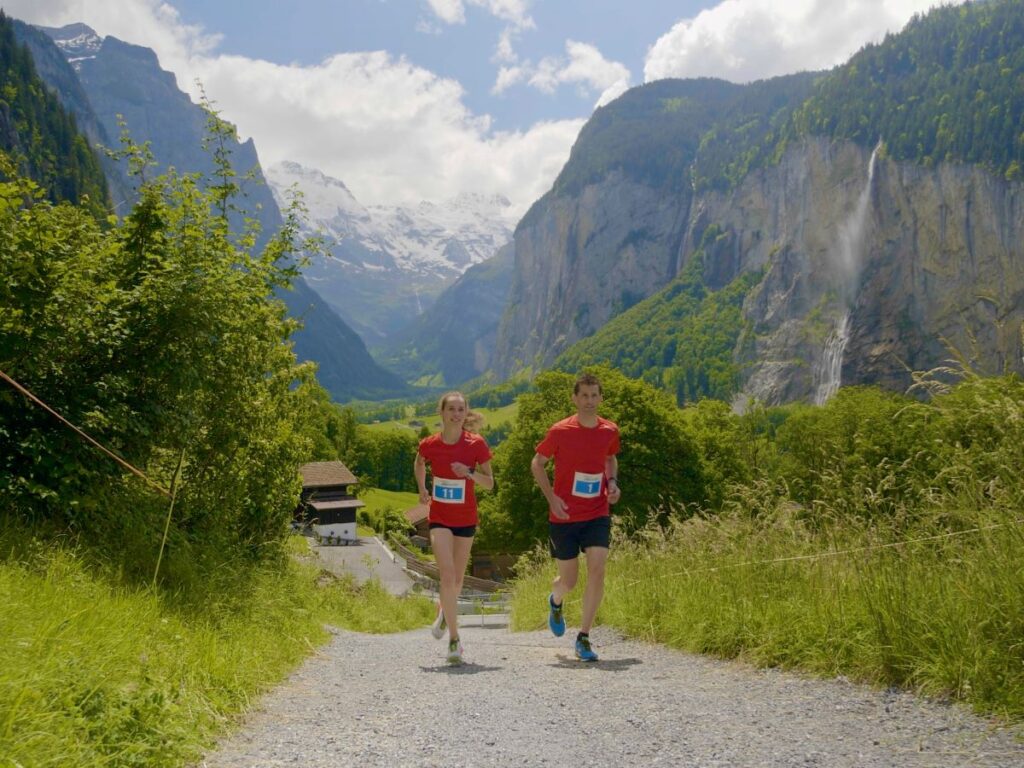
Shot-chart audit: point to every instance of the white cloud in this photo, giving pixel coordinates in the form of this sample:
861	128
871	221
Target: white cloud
584	66
515	12
393	132
449	11
505	53
745	40
151	23
507	77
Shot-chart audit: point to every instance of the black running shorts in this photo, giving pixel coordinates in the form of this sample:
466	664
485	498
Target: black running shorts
567	540
462	531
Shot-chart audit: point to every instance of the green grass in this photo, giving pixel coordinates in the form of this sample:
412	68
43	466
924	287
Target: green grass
377	499
493	417
93	673
942	617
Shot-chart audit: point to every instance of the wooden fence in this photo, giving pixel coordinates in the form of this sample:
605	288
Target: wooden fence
429	569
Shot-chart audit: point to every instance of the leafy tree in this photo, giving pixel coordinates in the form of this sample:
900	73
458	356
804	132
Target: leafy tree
659	464
384	458
682	338
161	337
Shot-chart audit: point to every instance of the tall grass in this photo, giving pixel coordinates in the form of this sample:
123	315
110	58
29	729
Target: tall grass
943	616
95	674
884	542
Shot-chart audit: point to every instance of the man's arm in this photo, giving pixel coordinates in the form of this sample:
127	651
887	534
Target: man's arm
611	471
540	475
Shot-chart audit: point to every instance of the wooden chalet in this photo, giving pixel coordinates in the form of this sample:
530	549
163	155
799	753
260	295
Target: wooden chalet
328	503
417	517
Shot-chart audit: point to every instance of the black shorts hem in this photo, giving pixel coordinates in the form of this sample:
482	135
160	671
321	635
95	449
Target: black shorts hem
462	531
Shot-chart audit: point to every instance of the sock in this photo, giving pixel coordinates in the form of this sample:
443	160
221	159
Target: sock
582	635
551	599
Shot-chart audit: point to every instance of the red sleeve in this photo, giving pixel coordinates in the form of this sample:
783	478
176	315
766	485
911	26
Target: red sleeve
613	446
548	445
483	452
424	448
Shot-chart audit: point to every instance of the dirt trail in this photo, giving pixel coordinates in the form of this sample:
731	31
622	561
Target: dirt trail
523	700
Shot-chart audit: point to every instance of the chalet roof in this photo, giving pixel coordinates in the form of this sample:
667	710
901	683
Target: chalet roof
417	514
319	474
323	506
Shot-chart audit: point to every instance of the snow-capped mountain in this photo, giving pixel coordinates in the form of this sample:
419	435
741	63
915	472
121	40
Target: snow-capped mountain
387	264
76	42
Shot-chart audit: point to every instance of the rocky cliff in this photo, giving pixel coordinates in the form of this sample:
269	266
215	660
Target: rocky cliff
582	260
875	212
872	268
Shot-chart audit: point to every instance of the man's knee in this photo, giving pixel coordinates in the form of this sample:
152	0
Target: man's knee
567	581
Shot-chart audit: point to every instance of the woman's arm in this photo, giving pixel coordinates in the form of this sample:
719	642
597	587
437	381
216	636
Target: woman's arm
419	469
483	476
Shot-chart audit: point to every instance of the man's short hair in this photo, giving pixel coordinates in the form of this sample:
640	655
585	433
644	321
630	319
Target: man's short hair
586	380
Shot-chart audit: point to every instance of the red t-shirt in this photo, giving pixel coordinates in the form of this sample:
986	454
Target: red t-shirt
579	453
453	501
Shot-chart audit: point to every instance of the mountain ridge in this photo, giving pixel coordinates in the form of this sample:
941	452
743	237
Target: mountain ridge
386	265
120	78
775	192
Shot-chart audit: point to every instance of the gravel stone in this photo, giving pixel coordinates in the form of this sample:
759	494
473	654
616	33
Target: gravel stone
522	699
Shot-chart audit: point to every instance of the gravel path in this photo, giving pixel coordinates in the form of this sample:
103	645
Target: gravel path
366	558
523	700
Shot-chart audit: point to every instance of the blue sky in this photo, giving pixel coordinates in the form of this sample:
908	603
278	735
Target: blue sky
409	100
621	31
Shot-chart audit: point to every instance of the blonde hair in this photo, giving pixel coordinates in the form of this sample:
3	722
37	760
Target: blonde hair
474	421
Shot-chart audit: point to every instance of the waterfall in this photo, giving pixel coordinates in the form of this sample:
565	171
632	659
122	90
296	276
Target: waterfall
832	360
851	236
848	254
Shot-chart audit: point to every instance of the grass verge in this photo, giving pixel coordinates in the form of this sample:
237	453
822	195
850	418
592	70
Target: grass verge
94	674
943	616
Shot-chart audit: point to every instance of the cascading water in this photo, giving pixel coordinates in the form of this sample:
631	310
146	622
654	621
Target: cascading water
832	360
850	246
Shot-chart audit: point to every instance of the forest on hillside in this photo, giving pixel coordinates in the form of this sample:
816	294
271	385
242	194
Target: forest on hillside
40	136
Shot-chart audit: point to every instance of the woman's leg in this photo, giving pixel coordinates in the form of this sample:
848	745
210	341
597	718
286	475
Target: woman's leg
462	546
442	543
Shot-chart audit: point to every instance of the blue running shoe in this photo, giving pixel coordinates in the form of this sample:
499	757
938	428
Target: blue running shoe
583	650
556	621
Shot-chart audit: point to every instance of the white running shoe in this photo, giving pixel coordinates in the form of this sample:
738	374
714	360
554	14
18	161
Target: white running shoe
455	652
440	625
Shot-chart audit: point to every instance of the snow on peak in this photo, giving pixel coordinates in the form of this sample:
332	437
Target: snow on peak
76	41
431	238
325	198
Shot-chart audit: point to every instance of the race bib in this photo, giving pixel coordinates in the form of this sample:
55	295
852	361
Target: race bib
449	491
586	486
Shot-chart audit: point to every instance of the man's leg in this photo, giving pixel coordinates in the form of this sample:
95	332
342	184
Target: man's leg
568	573
597	558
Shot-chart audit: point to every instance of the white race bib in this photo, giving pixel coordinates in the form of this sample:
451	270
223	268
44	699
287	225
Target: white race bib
586	486
449	491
